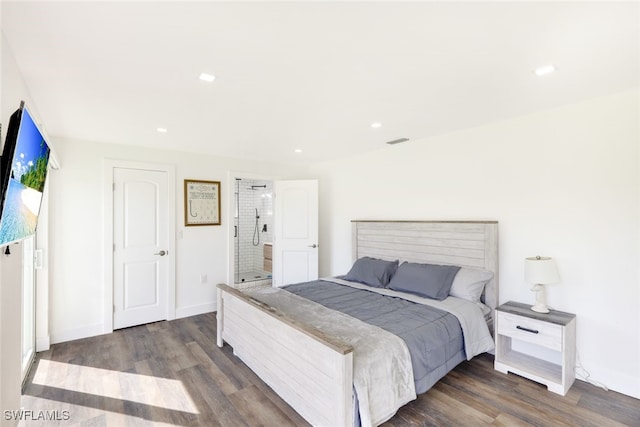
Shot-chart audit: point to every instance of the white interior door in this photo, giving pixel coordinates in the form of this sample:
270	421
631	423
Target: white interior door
140	259
295	246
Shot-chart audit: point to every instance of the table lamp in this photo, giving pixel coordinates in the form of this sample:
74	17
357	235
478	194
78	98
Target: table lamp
540	271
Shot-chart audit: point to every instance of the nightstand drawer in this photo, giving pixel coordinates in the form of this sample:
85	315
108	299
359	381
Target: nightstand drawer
530	330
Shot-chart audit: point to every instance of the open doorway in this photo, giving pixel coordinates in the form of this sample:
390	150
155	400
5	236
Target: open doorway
252	235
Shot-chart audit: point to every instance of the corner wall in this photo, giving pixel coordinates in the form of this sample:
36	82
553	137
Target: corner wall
562	183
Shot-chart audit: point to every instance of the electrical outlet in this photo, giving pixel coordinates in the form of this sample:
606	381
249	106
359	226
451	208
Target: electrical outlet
203	278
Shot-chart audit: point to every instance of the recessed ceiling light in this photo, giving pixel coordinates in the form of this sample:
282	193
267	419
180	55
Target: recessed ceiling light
376	125
162	130
545	69
297	150
207	77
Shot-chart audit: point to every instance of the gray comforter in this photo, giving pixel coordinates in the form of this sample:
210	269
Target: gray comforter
382	370
434	337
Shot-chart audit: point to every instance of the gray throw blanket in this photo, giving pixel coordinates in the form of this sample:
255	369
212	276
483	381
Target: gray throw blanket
382	370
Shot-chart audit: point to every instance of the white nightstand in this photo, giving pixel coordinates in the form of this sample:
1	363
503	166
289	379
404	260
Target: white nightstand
555	330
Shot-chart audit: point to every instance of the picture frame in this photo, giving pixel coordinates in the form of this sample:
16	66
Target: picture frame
201	202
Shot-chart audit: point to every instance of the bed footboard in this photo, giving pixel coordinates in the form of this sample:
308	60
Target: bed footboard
309	370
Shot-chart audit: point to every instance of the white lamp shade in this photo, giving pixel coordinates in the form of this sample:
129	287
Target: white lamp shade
540	270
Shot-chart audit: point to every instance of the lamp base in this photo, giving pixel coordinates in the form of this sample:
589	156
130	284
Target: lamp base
540	308
541	303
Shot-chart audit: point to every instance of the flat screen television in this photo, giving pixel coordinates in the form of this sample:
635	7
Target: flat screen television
24	164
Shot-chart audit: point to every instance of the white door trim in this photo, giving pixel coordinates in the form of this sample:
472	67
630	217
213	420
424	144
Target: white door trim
108	166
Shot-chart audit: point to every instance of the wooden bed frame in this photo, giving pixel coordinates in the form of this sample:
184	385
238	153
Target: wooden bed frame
313	372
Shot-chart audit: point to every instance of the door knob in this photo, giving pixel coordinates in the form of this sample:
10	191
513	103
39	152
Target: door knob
161	253
313	246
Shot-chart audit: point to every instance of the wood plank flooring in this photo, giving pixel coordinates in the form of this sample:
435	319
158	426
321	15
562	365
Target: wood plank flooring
172	373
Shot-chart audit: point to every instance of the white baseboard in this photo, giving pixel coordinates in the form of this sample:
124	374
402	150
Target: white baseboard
43	343
98	328
194	310
77	333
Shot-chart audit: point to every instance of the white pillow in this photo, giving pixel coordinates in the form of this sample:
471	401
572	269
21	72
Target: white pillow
469	283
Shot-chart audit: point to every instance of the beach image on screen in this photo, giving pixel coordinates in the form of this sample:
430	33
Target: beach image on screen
26	183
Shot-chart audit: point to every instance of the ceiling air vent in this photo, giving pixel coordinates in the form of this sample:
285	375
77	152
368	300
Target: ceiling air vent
397	141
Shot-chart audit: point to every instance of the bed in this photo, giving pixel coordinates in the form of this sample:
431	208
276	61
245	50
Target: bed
322	358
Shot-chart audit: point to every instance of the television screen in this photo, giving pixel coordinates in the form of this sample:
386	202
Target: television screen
25	160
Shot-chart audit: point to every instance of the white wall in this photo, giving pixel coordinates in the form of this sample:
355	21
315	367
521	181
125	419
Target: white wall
10	330
12	90
562	183
76	233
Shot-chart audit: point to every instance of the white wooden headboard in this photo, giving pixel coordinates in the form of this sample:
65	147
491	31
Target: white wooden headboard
464	243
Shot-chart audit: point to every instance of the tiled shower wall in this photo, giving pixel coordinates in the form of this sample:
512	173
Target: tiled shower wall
249	257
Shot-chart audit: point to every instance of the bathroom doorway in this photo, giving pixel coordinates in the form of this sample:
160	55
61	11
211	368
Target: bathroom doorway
252	235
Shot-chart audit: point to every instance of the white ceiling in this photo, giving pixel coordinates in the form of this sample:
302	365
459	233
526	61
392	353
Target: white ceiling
308	75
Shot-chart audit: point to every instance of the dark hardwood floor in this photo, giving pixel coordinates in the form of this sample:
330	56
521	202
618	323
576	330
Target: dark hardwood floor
172	373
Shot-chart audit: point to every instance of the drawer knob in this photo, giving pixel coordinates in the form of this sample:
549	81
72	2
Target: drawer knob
522	328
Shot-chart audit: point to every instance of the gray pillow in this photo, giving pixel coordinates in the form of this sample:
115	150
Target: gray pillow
372	271
426	280
469	283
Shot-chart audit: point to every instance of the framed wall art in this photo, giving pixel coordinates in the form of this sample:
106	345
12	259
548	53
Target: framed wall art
201	202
